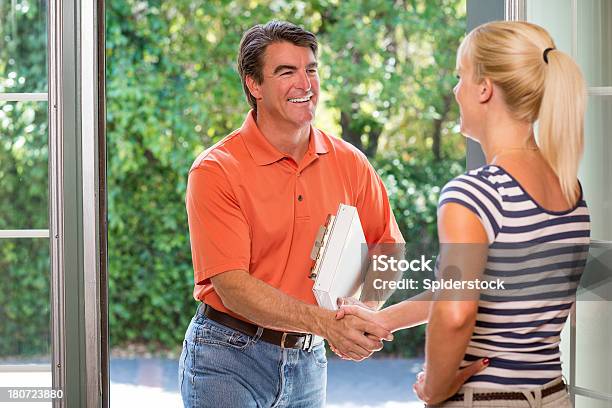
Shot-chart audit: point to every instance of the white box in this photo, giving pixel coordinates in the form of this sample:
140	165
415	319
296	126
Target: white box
340	257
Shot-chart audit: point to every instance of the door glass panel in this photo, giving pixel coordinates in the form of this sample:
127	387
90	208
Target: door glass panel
594	318
586	402
23	46
596	169
24	296
23	165
594	38
556	17
594	329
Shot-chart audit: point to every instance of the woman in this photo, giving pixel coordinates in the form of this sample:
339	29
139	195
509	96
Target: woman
505	345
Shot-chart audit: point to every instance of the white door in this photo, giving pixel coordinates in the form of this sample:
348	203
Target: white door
583	29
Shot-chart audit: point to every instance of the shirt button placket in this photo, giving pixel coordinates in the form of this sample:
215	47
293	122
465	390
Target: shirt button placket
300	197
301	210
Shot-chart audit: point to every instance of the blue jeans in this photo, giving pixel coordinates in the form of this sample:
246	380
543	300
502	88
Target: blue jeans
221	367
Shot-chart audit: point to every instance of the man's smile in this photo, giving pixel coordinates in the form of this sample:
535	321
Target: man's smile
302	99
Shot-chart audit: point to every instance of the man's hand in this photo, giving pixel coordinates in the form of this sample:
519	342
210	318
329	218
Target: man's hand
353	306
347	337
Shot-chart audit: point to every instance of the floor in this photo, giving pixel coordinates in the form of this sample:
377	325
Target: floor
374	383
152	382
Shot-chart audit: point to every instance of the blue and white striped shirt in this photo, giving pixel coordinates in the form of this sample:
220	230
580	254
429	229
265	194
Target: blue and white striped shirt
540	254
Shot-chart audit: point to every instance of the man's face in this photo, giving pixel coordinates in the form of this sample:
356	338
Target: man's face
289	92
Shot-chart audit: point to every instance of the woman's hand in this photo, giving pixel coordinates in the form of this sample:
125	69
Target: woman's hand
347	301
460	378
349	306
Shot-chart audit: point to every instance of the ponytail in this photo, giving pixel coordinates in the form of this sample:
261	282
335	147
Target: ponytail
539	83
561	121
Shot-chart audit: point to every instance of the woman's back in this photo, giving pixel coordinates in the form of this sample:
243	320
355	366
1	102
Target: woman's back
538	248
537	178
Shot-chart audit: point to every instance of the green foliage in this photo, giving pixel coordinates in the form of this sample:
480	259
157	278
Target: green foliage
413	183
24	297
24	263
388	67
173	90
23	46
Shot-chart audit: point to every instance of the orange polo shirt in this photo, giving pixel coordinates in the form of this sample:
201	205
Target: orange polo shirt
253	208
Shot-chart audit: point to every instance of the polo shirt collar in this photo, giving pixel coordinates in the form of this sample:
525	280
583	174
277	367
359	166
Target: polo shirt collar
262	150
317	143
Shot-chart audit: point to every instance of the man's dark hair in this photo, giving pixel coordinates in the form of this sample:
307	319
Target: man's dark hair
254	43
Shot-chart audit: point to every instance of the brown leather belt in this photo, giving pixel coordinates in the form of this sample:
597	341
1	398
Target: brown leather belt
508	396
303	341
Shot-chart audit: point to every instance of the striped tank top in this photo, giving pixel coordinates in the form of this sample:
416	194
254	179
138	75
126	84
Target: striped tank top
540	255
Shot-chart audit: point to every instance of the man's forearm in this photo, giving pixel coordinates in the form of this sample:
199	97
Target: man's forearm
267	306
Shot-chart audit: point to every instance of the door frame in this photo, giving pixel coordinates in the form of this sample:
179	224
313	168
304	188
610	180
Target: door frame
77	205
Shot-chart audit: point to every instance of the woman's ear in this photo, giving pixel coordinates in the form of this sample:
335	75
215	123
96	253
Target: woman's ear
485	90
253	86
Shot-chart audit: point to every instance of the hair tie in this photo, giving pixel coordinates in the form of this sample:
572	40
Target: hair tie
546	51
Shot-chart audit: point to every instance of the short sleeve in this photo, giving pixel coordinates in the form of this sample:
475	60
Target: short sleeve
478	195
377	219
218	230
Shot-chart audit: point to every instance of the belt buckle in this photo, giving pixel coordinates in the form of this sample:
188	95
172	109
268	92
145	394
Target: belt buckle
308	342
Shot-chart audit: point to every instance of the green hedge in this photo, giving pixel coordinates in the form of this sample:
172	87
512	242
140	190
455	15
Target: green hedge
172	91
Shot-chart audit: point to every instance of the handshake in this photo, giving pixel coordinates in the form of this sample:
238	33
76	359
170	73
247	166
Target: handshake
357	330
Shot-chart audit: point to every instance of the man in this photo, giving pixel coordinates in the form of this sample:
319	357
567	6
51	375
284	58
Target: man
255	201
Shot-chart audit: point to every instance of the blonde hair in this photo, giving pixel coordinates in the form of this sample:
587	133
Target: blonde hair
511	54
